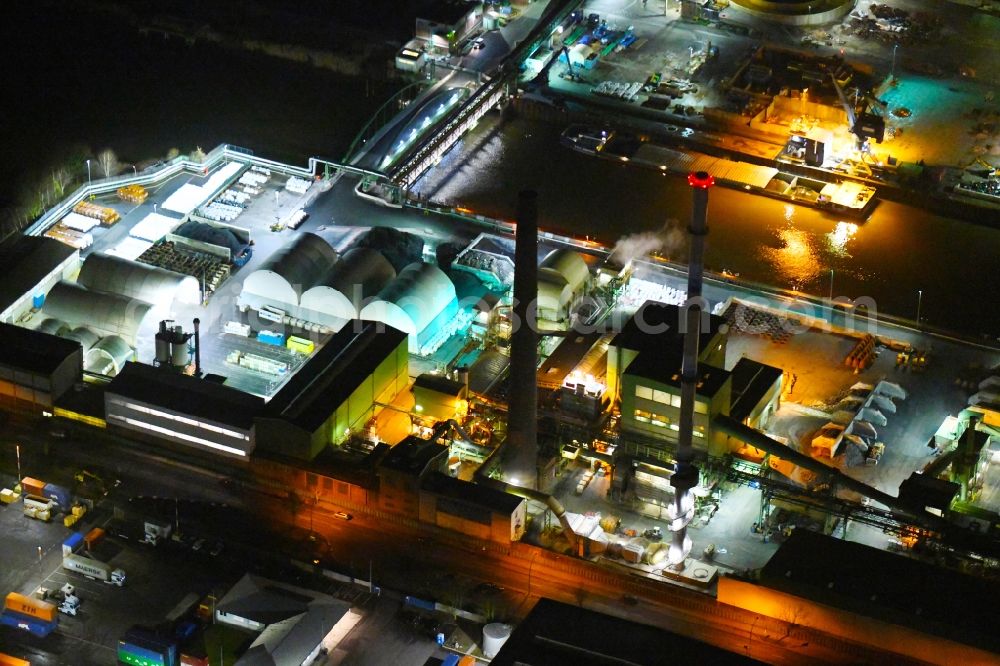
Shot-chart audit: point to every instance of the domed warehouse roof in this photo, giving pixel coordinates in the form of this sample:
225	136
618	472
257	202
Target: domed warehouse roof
360	274
115	275
292	270
420	295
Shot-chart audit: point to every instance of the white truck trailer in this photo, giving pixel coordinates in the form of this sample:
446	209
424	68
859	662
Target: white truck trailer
94	569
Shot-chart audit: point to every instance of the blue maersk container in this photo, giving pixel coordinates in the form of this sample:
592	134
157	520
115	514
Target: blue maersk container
59	494
73	543
33	625
271	338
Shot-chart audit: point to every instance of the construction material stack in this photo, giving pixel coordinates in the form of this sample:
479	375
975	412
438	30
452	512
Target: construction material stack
103	214
133	193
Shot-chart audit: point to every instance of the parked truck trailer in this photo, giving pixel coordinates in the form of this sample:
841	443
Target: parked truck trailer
94	569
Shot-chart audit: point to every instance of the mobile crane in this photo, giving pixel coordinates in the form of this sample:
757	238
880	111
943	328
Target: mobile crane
868	125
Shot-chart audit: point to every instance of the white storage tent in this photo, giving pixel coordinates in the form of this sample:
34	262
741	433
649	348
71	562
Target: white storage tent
130	248
189	196
106	314
153	227
290	271
108	356
79	222
102	272
360	274
417	298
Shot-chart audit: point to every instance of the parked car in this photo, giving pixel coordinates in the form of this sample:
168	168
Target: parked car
343	515
198	545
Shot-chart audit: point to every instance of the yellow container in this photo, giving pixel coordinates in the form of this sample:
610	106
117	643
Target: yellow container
300	345
79	510
70	521
8	496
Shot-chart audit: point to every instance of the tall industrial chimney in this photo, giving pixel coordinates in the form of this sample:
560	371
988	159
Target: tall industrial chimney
521	458
686	474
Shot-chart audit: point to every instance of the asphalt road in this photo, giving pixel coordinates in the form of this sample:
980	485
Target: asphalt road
401	553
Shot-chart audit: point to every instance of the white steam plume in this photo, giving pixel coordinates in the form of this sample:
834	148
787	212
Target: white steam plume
637	246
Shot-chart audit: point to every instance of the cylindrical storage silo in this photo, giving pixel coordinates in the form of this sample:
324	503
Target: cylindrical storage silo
162	348
180	354
495	635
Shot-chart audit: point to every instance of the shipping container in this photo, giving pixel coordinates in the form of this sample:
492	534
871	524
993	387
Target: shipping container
8	496
10	660
271	338
72	544
93	537
59	494
32	486
141	641
35	626
140	656
36	608
300	345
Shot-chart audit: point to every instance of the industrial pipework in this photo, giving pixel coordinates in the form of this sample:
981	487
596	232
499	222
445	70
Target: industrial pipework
685	476
197	347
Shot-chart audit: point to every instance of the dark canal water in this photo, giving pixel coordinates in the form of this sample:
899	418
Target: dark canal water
898	251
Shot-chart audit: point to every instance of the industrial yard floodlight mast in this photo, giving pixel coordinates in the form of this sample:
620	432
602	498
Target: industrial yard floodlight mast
685	476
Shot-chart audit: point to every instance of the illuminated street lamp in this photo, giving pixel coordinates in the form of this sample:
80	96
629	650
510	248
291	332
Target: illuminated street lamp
831	284
17	449
920	298
135	172
88	173
892	74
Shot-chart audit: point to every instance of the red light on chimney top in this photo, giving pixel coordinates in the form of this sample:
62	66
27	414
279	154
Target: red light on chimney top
701	179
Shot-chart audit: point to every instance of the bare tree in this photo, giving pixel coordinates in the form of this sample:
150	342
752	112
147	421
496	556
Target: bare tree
108	162
172	154
198	155
60	179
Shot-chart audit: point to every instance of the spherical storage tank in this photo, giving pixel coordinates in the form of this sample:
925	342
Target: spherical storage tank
419	295
360	274
292	270
104	272
495	635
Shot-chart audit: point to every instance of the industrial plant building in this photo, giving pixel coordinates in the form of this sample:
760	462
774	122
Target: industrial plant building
36	369
32	265
344	386
292	624
563	276
644	365
159	404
